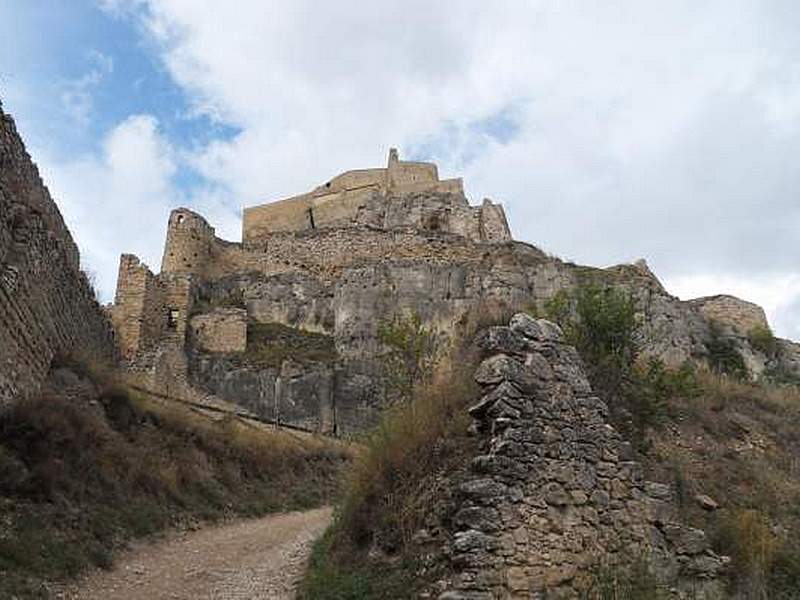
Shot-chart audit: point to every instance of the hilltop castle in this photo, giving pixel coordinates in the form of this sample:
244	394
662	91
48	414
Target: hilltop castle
293	268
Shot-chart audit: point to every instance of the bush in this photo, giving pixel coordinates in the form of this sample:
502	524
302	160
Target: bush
762	339
602	328
411	352
746	536
394	481
723	356
633	580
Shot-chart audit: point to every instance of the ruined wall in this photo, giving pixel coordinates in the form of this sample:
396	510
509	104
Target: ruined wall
731	311
189	243
554	491
47	306
221	330
149	310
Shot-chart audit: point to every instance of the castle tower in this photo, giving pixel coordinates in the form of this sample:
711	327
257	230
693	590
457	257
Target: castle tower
189	241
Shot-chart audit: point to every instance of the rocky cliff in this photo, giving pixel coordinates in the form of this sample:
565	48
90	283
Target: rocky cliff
47	305
424	252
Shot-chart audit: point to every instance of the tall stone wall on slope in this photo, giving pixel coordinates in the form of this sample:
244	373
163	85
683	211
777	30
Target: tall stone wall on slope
554	492
47	306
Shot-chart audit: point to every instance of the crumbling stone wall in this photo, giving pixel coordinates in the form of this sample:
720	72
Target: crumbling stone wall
221	330
732	312
47	305
555	492
149	310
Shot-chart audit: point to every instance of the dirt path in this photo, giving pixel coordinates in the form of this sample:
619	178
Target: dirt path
255	559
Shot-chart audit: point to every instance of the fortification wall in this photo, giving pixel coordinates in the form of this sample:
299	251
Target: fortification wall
149	310
189	242
47	305
731	311
554	491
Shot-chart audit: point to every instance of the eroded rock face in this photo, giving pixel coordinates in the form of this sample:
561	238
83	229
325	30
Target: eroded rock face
554	491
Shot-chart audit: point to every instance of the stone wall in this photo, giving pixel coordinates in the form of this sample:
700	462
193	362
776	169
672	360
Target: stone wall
47	305
733	312
149	310
338	202
221	330
554	492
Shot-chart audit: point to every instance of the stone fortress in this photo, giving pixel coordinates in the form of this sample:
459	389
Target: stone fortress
326	268
301	264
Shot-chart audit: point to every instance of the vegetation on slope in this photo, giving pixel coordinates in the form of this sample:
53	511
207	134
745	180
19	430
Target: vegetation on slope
88	465
703	432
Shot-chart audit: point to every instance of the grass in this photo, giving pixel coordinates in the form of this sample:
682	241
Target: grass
84	469
269	344
739	443
396	484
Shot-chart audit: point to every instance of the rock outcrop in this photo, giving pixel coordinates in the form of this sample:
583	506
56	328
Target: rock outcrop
555	495
47	305
347	257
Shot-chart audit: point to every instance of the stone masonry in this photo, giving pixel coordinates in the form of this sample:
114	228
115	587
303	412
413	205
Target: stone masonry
555	492
221	330
353	253
47	305
345	198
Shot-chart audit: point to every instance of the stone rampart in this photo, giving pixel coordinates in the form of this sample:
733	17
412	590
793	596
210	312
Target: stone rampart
47	305
221	330
739	314
555	492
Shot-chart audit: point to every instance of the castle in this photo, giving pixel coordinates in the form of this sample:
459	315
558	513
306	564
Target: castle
333	265
292	268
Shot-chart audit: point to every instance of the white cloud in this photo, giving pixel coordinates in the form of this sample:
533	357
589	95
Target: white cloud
638	128
120	199
77	95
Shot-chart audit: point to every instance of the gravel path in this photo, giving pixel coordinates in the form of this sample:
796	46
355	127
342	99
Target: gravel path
255	559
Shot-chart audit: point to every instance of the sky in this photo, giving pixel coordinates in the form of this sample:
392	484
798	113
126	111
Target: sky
611	131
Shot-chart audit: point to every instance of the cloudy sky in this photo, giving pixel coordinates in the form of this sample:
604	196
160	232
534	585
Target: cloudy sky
611	130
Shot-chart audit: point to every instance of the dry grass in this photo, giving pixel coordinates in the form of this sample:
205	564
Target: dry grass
739	443
87	466
399	476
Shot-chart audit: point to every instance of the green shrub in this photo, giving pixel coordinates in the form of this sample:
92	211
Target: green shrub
762	339
633	580
328	579
411	352
723	356
269	344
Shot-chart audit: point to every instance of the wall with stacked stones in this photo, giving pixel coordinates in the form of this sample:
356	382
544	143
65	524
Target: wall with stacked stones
555	492
47	305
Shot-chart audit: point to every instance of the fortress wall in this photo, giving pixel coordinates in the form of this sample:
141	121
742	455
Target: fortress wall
189	242
47	305
222	330
149	309
494	225
354	179
731	311
285	215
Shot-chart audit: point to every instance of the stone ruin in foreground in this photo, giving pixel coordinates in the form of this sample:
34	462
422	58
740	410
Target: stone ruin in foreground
325	269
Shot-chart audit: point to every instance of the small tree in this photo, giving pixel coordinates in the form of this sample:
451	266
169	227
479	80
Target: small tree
411	351
723	356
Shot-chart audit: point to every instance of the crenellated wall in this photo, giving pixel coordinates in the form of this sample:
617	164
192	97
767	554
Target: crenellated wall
47	305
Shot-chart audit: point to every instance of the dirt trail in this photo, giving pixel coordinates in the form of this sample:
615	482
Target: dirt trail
254	559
